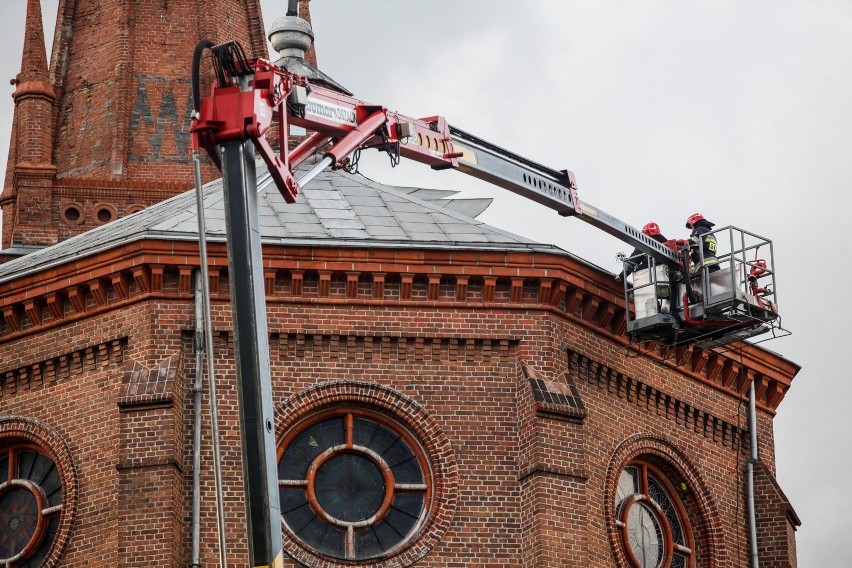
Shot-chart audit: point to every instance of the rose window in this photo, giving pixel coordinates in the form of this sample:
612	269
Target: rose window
353	485
651	520
30	504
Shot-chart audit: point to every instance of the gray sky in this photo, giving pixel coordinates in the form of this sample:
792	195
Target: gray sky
739	110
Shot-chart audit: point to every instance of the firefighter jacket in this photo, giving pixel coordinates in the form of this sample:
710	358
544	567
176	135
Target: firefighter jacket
702	244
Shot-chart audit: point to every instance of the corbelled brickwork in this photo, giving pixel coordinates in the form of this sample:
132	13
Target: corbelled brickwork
416	279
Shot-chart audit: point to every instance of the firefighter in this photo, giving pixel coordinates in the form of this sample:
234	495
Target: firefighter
652	230
702	244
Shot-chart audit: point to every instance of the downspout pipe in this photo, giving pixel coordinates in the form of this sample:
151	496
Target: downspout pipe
752	517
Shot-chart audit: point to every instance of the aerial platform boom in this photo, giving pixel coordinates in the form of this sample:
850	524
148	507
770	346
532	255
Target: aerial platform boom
278	96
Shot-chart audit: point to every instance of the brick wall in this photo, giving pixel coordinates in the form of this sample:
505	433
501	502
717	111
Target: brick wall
776	521
527	480
124	89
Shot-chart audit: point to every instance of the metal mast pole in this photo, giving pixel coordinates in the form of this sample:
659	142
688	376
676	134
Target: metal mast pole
203	315
251	346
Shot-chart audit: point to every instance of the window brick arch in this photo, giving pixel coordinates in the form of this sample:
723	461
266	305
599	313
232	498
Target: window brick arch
38	486
676	478
412	494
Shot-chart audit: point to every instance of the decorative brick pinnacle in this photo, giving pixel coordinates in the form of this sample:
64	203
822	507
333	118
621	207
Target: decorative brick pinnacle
34	58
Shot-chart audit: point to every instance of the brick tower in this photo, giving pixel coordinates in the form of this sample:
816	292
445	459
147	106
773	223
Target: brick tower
104	130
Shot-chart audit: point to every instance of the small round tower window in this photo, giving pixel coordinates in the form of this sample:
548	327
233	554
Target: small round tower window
104	215
72	214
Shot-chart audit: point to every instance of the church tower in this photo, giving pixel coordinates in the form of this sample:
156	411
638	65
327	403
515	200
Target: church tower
104	130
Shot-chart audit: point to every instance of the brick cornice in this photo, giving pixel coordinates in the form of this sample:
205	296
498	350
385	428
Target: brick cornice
422	347
554	472
28	170
26	376
151	463
34	89
453	279
133	186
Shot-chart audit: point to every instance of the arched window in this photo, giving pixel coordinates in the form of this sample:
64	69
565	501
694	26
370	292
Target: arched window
30	505
652	522
353	484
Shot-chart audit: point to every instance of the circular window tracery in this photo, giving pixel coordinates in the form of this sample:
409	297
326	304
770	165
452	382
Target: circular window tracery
36	468
645	534
652	522
30	505
353	484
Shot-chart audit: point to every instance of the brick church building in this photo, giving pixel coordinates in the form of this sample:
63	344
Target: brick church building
446	393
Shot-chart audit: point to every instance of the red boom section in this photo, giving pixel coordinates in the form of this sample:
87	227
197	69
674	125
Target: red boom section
276	97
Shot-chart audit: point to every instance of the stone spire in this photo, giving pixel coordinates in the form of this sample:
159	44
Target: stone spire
29	171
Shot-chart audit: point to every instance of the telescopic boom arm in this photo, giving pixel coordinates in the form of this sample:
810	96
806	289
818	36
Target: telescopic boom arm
276	97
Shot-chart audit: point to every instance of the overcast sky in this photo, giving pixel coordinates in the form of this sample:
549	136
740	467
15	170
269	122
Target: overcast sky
739	110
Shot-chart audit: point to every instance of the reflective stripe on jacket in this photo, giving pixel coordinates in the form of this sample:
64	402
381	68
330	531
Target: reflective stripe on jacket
708	247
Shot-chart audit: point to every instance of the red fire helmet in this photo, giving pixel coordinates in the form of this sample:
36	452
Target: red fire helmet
651	229
693	219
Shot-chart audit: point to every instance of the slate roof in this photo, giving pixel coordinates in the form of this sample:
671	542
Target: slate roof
335	209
